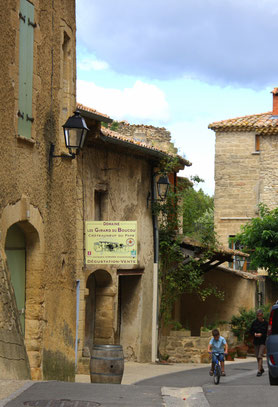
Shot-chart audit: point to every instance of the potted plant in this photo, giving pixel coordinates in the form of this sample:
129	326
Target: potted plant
231	354
242	350
178	330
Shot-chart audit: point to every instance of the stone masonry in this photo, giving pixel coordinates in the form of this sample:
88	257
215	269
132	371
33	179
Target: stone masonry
181	347
246	169
157	137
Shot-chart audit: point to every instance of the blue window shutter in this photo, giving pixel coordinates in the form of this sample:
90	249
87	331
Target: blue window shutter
26	42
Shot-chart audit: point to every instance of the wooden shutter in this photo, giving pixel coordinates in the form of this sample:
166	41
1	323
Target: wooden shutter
26	41
257	142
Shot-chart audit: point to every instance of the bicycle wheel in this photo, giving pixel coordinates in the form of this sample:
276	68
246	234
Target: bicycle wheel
216	374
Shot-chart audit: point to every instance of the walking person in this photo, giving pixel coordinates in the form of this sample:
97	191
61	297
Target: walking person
259	331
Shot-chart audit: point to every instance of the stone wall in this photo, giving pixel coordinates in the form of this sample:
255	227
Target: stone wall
238	182
193	312
119	303
243	178
181	347
157	137
37	194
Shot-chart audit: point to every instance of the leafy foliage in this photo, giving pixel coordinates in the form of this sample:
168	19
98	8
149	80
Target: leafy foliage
259	237
178	276
204	227
114	126
241	324
197	212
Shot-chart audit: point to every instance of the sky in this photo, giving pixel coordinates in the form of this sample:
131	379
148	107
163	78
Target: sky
178	64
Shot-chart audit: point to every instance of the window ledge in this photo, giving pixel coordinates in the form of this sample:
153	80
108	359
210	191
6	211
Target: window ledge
256	153
235	218
29	141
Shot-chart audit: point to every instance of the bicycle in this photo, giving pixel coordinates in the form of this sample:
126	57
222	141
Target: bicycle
217	368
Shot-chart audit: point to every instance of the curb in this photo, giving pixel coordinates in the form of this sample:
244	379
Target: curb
16	393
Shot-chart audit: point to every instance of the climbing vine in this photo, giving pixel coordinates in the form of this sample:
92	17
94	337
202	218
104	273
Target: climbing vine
177	274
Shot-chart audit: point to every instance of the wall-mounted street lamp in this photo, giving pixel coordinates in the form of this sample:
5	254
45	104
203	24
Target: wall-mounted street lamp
162	190
240	262
75	131
159	193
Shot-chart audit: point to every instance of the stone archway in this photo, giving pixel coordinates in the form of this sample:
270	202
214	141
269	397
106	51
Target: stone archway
99	311
15	249
26	219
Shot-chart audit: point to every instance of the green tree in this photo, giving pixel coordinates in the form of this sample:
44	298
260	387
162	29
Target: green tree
204	227
259	237
176	275
197	210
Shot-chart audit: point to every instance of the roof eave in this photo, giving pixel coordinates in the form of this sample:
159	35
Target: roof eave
94	116
154	153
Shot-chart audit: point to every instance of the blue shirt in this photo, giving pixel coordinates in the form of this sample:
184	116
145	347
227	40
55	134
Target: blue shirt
218	346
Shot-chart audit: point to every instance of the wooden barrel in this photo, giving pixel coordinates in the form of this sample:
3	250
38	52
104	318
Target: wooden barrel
107	364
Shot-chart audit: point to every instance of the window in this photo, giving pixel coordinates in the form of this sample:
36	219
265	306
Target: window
67	79
100	204
26	41
257	142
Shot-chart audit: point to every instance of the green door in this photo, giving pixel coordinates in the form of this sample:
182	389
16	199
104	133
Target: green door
15	252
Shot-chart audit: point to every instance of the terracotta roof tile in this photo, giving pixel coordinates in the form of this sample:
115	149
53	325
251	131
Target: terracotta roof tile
90	110
113	134
262	123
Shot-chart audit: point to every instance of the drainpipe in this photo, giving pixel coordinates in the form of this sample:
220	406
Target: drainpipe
155	275
77	319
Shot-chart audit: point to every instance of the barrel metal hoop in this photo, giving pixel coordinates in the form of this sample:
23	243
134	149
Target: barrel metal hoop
104	358
108	347
105	374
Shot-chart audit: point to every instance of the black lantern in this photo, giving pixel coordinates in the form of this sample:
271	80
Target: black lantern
75	130
162	189
163	186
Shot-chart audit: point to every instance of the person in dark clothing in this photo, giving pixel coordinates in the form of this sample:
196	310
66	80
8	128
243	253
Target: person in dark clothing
259	330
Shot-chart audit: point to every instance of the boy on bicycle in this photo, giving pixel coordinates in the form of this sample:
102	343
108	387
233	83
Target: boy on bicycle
217	346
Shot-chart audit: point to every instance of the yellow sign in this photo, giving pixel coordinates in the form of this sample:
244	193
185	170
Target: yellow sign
111	242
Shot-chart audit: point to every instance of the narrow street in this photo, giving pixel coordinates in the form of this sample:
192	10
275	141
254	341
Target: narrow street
193	388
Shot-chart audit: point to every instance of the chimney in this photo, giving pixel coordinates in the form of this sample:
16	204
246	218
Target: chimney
275	102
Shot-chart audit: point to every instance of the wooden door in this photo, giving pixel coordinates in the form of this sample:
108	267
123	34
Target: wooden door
16	257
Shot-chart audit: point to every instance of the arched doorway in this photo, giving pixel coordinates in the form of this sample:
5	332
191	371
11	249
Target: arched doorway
22	229
99	312
15	248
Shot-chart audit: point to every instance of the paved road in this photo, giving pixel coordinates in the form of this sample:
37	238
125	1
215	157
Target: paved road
74	395
237	374
240	387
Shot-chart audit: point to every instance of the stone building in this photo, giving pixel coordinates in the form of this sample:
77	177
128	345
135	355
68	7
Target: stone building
116	178
246	174
246	167
38	197
54	306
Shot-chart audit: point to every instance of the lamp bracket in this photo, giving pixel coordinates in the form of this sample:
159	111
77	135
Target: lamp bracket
52	155
152	200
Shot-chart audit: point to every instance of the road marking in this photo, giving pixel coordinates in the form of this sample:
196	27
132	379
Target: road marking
184	397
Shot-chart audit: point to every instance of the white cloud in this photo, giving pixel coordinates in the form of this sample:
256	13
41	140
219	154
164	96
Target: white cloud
88	64
197	143
223	42
143	101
